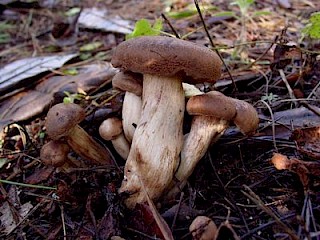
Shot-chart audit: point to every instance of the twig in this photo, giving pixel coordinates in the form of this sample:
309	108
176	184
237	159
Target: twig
284	79
27	185
213	45
177	212
63	223
260	204
231	201
262	226
314	90
170	25
273	124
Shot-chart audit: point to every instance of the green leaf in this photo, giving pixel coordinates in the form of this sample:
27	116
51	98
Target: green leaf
144	28
225	14
261	13
72	12
90	46
70	71
3	161
243	5
312	29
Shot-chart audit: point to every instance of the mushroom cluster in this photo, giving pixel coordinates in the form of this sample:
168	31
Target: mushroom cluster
153	73
62	126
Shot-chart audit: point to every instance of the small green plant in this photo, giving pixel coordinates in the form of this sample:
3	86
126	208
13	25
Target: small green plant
270	98
189	11
144	28
71	97
245	15
4	35
312	29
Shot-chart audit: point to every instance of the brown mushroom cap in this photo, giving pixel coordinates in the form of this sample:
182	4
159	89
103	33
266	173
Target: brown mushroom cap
247	119
61	118
54	153
213	104
128	81
110	128
165	56
203	228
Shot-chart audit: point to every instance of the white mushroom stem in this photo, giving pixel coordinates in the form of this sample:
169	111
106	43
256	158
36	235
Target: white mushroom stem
121	145
204	131
132	105
157	141
131	113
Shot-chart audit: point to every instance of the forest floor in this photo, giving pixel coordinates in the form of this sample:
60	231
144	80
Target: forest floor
238	184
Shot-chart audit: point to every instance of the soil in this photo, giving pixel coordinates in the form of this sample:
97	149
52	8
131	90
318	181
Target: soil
235	182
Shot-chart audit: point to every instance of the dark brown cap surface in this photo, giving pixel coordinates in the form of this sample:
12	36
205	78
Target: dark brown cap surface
128	81
213	104
166	56
61	118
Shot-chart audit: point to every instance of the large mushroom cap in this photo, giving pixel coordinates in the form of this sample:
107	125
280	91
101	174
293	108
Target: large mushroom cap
213	104
61	118
165	56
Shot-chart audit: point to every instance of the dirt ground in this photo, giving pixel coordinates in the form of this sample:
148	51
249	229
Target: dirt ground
238	183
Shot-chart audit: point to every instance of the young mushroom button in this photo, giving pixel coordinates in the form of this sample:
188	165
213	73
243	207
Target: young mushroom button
111	130
157	142
62	122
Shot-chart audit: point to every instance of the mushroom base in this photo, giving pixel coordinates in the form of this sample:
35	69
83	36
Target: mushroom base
157	141
204	131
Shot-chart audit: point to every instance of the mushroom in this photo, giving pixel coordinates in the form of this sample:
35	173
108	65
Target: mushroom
212	112
62	122
55	153
111	130
132	103
164	62
203	228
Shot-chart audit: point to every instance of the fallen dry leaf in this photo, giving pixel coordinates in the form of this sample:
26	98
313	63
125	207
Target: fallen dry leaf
308	141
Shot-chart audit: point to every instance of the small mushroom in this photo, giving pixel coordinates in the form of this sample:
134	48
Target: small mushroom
132	103
157	142
203	228
62	122
111	130
54	153
212	114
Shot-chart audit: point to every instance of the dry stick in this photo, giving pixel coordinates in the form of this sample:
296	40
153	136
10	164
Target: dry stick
261	56
314	90
290	91
257	200
36	207
170	25
273	124
308	217
162	225
214	46
177	212
63	222
262	226
231	202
